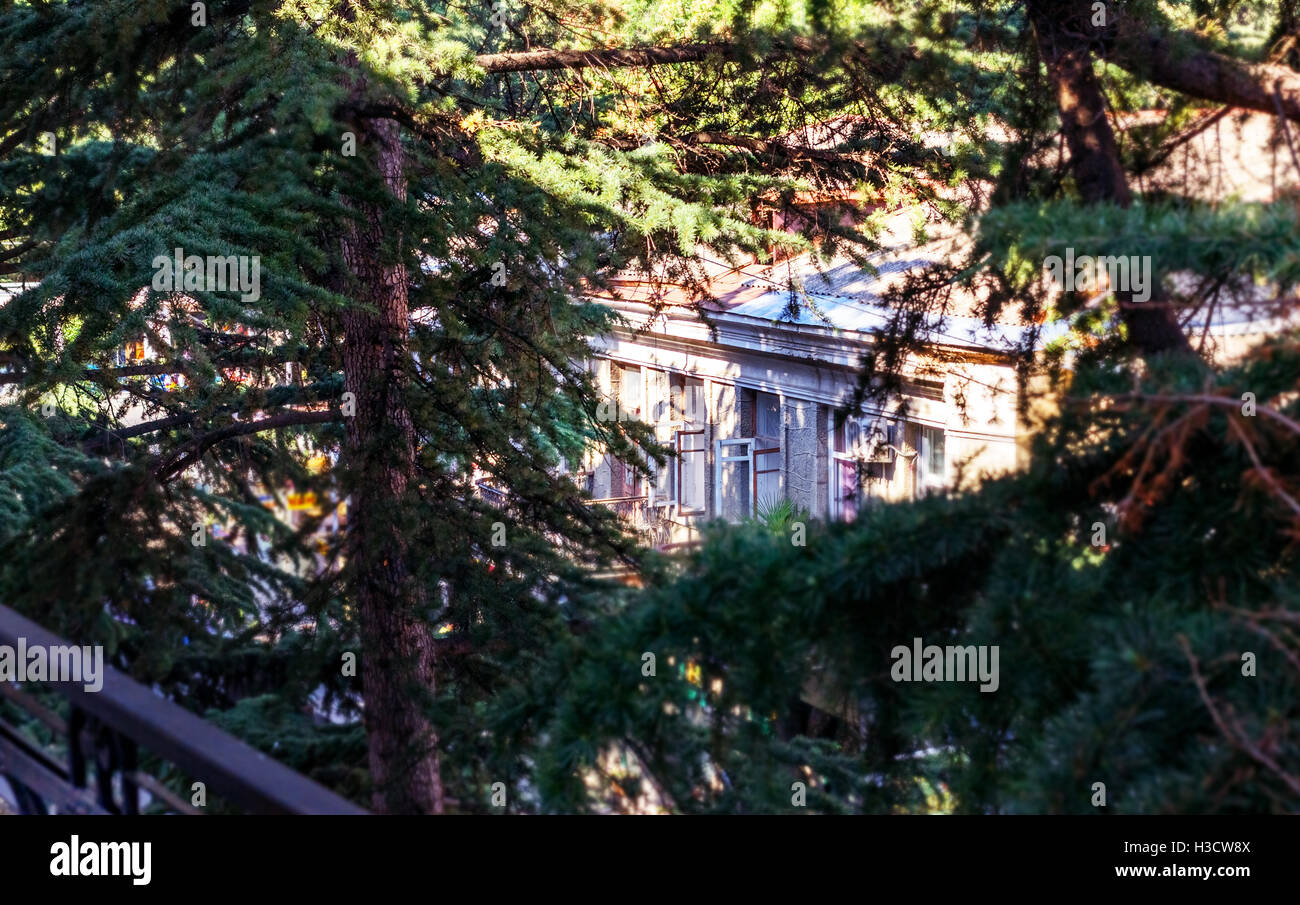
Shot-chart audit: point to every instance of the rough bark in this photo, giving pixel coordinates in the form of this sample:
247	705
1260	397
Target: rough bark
1094	155
398	665
1210	76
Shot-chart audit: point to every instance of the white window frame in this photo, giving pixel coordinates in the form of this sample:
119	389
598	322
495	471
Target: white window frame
661	488
757	472
719	457
680	462
757	408
834	460
926	480
750	457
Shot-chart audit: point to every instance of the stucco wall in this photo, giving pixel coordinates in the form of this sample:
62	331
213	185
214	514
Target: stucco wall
805	480
972	401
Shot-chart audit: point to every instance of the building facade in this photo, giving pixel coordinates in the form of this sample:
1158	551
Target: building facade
747	397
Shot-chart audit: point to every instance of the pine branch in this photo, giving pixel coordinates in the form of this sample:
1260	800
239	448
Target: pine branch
611	58
1263	87
93	373
1232	730
767	146
137	430
173	464
1206	399
1205	75
1262	470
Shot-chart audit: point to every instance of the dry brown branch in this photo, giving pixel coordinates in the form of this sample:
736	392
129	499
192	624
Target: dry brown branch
1230	728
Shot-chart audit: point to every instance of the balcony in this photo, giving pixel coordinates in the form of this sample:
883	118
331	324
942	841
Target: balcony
636	512
640	517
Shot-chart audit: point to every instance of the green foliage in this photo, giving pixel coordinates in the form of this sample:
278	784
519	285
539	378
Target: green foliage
229	138
1096	684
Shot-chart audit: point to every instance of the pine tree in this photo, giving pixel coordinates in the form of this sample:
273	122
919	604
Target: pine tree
1153	664
420	247
431	192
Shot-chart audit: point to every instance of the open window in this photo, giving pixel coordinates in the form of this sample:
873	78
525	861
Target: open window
747	477
691	461
862	446
677	406
747	473
733	484
844	480
932	466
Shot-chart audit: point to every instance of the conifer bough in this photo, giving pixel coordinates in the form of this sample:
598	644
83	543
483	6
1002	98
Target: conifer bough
1202	74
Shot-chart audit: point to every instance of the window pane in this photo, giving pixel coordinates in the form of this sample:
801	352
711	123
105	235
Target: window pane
932	454
734	488
629	391
693	481
771	488
694	410
846	489
676	394
661	480
852	436
768	415
692	461
657	387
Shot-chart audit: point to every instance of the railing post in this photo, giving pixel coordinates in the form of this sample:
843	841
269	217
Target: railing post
106	764
130	791
76	757
28	801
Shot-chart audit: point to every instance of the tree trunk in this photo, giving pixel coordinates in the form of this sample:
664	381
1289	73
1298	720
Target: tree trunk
396	633
1094	156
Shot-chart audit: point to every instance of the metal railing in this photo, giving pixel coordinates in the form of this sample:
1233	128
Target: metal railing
629	508
105	733
639	515
494	495
636	512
